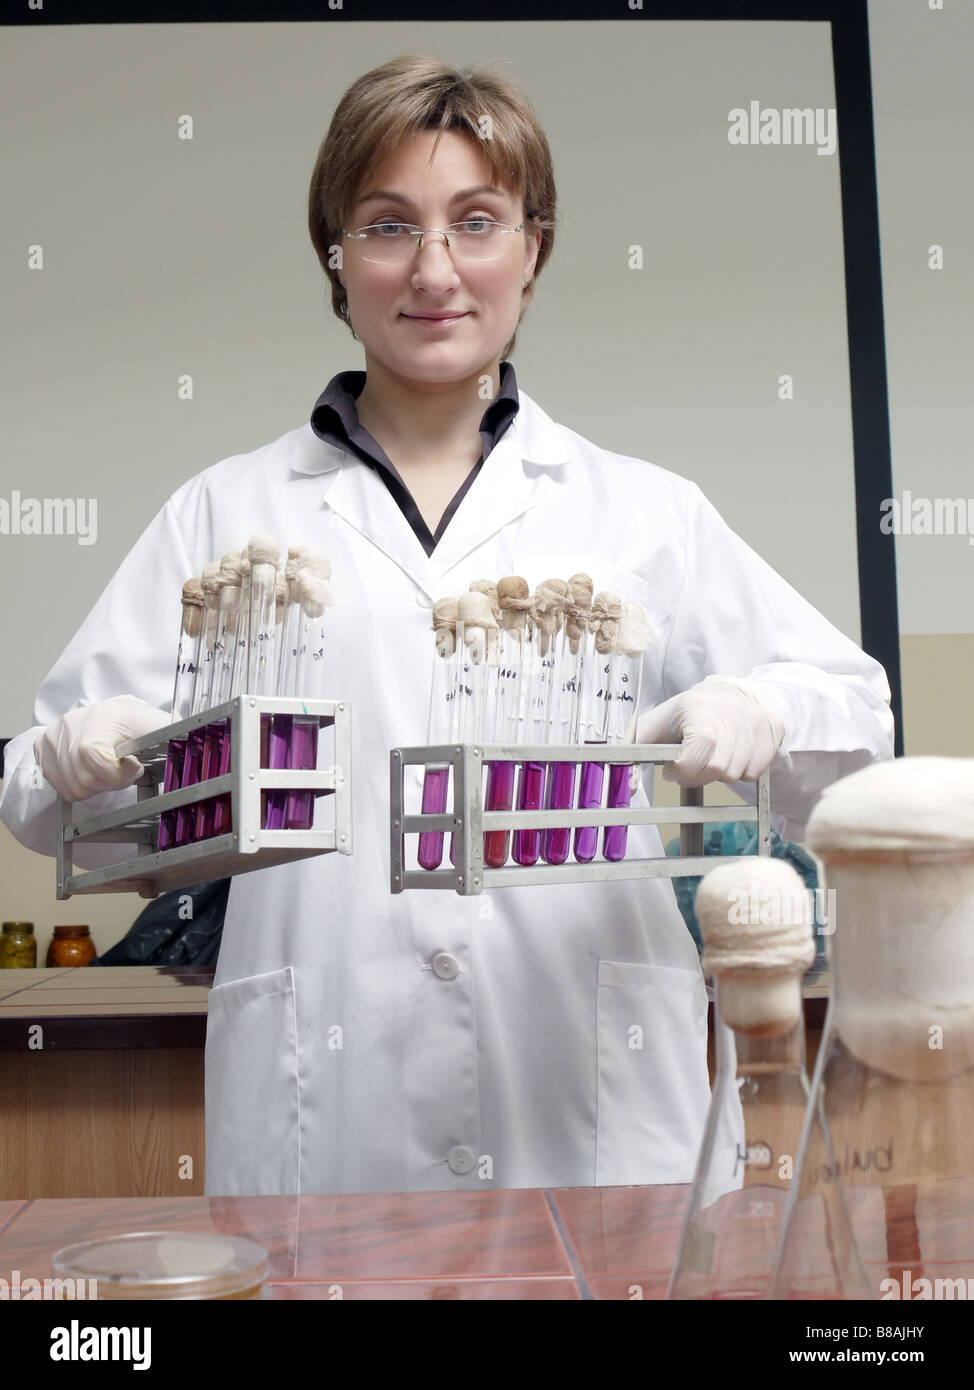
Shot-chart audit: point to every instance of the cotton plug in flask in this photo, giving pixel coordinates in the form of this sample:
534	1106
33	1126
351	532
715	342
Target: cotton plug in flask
883	1198
756	919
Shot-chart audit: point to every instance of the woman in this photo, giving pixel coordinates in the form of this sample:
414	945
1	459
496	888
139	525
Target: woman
484	1040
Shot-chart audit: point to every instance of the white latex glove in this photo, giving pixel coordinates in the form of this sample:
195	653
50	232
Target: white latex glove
728	735
77	753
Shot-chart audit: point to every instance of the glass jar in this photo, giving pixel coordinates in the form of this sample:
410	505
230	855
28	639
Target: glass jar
163	1265
18	947
70	946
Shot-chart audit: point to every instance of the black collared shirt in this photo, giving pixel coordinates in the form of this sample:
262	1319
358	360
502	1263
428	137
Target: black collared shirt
335	420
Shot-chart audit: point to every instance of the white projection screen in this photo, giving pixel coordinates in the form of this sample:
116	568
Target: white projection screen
693	313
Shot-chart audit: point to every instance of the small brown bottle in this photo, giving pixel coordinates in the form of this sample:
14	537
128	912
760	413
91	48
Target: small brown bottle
70	946
18	946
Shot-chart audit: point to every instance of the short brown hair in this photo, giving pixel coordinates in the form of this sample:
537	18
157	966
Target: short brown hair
383	108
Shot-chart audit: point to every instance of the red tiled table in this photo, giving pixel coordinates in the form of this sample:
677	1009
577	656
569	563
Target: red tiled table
572	1243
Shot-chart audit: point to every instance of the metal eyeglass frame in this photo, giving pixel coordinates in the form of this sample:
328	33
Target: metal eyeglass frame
420	232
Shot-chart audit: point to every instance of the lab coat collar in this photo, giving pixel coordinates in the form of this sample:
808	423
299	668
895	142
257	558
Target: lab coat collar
503	490
541	442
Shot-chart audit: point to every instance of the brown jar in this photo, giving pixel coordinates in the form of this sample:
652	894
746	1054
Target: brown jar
18	947
70	946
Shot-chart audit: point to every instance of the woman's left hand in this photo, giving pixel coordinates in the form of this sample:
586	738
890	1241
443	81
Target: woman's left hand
728	734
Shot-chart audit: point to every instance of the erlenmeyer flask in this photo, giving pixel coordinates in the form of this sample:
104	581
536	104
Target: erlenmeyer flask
883	1199
756	918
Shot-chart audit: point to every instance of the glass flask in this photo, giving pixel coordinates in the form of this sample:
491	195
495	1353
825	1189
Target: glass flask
756	918
745	1166
882	1205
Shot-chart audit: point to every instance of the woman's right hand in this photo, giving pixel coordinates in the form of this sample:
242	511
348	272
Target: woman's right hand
77	753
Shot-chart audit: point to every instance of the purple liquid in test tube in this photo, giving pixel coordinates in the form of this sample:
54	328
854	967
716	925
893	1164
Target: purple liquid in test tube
500	797
559	796
222	804
435	788
212	749
589	799
265	755
303	757
620	795
174	772
530	795
279	756
192	765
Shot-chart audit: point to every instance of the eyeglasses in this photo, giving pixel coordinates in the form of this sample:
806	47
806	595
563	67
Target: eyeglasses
390	243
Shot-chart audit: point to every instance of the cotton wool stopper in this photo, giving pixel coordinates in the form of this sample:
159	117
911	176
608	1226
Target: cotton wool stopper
756	919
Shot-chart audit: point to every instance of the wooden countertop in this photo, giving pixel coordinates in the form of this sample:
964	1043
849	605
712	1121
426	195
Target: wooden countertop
120	1006
149	1006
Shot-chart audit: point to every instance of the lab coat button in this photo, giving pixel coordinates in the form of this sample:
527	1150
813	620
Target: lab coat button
445	966
460	1159
424	600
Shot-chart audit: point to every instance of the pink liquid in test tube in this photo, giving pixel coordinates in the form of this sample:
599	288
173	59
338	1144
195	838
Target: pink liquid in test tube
500	797
530	795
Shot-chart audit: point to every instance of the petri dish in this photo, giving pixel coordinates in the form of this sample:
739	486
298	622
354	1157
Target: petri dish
165	1265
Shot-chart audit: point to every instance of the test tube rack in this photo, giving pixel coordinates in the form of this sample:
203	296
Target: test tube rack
468	821
246	847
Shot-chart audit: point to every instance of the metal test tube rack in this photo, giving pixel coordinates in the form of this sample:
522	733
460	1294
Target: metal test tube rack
468	821
246	846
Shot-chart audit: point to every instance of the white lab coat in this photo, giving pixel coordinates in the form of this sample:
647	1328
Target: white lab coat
560	1038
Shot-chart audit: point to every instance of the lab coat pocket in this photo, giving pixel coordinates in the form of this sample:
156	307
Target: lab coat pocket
252	1102
653	1086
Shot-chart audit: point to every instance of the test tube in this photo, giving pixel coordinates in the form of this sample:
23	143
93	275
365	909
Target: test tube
193	755
632	639
222	815
189	640
569	674
440	726
302	750
216	734
476	668
603	629
314	596
514	600
289	617
279	736
488	588
264	553
549	600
